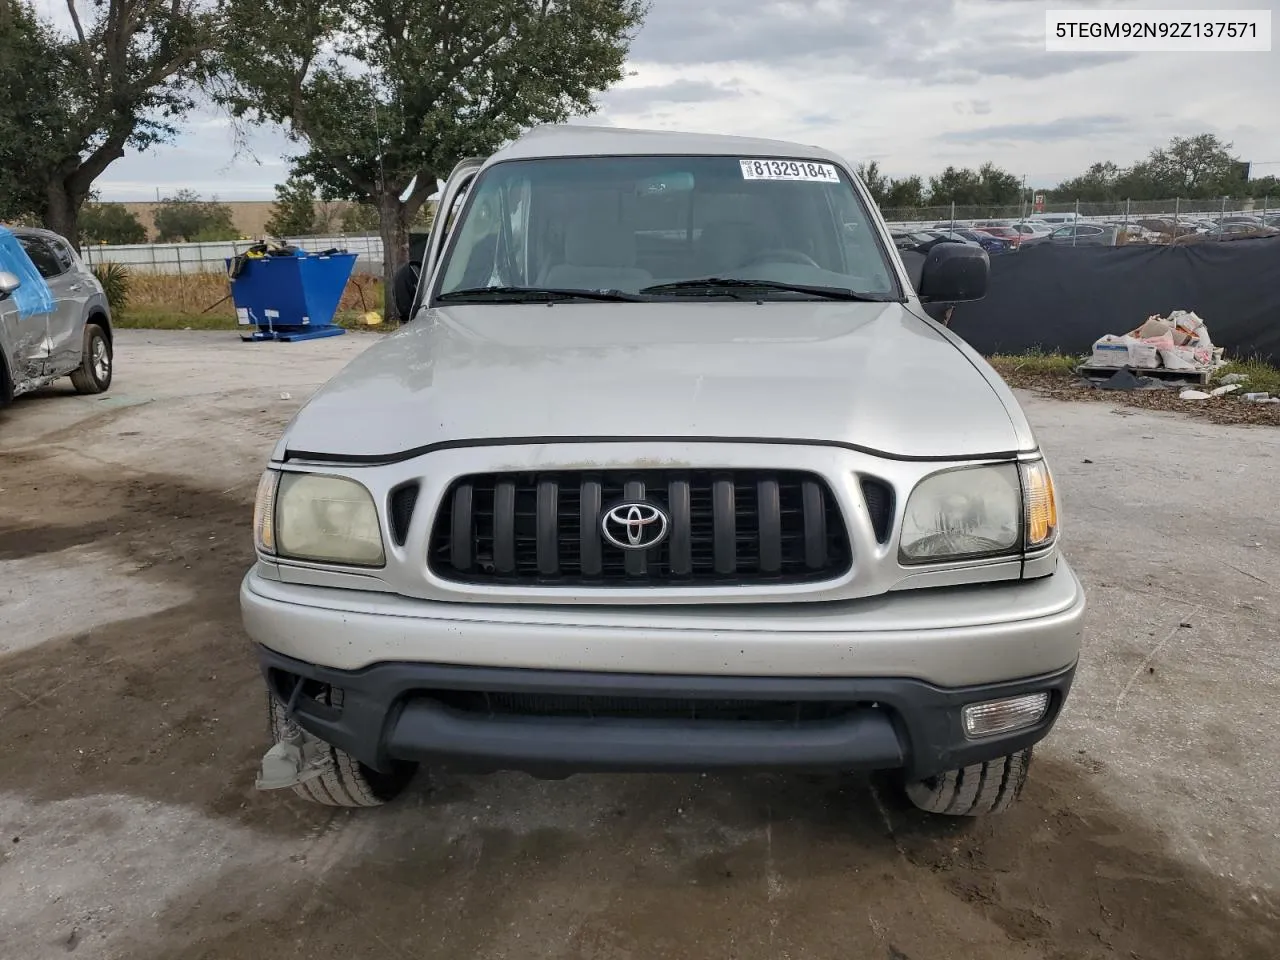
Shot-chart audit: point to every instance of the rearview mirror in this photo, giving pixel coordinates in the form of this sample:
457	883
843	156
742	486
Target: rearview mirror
9	282
954	273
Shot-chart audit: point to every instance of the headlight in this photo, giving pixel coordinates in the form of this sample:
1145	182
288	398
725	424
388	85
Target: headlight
975	512
309	516
969	512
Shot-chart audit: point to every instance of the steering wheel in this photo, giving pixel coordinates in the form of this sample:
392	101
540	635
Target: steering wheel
781	255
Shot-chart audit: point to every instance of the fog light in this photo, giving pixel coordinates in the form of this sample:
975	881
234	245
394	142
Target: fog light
1002	716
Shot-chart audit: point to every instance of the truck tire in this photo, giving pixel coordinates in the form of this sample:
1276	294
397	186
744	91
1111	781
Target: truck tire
347	782
976	790
94	373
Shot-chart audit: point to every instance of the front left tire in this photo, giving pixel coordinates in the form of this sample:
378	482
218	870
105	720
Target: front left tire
346	782
976	790
94	373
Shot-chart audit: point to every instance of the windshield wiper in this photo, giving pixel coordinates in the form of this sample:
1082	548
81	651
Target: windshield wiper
711	286
534	295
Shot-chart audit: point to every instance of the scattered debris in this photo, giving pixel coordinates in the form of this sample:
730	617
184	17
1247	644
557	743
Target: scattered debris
1173	347
286	396
1124	379
1235	378
1224	390
1193	395
1086	461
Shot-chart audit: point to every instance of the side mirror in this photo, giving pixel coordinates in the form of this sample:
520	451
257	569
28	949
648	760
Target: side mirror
9	282
404	287
954	273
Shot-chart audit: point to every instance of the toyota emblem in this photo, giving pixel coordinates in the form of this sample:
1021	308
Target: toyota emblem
635	526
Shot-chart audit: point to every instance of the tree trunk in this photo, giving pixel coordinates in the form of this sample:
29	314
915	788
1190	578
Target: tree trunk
393	227
62	211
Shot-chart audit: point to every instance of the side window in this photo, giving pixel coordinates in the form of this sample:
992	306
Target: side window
42	257
63	254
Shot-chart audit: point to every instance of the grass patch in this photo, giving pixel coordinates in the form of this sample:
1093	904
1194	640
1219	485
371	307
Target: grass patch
1263	378
159	318
1035	364
200	301
153	295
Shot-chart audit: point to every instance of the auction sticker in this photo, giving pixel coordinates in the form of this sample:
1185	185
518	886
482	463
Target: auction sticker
789	170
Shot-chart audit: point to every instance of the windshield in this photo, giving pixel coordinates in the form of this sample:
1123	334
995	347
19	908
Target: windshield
628	224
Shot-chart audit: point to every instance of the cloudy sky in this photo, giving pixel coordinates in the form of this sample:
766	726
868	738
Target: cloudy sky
914	84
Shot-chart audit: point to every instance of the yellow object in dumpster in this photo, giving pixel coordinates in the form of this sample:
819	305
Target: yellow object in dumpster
372	318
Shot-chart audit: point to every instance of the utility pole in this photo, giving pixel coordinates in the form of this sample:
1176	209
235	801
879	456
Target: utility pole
1024	197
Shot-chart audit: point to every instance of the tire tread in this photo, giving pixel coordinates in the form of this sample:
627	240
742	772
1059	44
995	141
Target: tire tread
975	790
345	782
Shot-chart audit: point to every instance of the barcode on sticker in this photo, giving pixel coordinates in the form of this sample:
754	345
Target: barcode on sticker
789	170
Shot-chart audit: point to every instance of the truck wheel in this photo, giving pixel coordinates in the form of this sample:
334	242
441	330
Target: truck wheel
975	790
347	782
94	373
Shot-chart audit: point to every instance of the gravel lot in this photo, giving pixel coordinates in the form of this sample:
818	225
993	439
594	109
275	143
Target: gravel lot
132	720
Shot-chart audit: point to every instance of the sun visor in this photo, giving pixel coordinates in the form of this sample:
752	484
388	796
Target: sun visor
33	296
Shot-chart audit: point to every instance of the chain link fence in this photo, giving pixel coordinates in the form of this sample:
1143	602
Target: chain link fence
1122	210
192	258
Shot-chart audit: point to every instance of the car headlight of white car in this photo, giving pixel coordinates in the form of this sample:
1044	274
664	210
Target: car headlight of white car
976	512
312	516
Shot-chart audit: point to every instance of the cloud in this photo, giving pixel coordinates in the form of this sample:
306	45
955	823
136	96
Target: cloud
1064	128
917	86
640	99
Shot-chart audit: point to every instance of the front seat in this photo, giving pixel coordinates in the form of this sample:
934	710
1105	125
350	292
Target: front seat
599	255
725	245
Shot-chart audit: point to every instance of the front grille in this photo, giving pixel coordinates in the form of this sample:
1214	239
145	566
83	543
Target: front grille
725	528
878	497
579	706
403	500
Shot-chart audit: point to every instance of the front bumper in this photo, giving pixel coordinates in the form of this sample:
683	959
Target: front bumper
875	684
553	723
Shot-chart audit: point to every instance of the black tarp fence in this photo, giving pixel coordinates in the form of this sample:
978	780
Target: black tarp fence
1062	299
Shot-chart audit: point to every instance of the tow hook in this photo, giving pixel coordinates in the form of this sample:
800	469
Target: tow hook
296	758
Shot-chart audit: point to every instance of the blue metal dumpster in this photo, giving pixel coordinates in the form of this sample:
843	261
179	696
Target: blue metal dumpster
290	298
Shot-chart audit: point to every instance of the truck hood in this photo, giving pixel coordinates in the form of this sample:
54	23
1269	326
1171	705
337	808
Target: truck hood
871	375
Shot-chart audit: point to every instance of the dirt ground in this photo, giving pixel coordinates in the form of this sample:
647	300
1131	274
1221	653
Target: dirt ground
132	719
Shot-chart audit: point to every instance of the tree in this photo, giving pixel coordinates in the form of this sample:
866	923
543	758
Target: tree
1200	166
960	186
294	213
1097	184
117	79
110	223
877	183
30	120
185	218
380	92
987	186
907	192
999	187
360	218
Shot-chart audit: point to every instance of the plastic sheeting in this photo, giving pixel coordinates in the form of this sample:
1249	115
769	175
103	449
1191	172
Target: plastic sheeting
34	296
1063	298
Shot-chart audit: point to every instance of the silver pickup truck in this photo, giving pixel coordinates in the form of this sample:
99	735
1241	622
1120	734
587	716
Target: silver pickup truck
670	471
